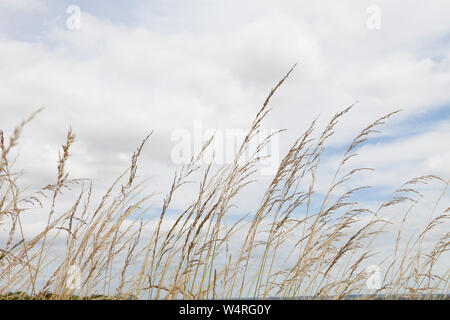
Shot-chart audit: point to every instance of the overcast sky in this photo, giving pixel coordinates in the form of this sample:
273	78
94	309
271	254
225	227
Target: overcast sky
120	70
137	66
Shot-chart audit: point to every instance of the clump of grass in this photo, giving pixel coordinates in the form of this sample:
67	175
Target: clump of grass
287	248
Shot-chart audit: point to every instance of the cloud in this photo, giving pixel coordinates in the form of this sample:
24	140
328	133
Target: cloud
113	83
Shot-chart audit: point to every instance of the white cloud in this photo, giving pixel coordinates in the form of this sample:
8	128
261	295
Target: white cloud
113	84
216	63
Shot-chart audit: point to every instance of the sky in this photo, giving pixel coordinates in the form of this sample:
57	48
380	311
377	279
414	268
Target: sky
129	68
162	66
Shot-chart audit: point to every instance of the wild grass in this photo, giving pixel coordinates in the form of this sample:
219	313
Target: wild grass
292	245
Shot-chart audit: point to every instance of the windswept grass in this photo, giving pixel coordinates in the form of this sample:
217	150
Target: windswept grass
291	245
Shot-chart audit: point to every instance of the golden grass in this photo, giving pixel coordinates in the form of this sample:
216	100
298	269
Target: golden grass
281	253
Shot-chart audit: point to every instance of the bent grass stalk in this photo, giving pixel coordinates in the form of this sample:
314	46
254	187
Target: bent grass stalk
293	245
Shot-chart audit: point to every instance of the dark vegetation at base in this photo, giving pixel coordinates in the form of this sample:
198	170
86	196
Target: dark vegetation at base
49	296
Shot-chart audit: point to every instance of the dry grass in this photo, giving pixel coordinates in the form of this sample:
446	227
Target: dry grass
288	248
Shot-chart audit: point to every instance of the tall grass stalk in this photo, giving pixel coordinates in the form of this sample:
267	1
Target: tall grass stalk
292	245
